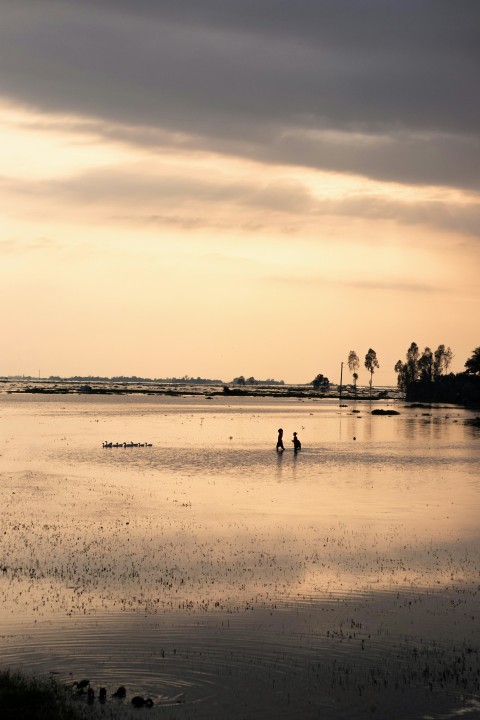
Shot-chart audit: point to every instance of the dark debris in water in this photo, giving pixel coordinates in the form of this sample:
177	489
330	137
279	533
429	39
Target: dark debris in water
380	411
474	422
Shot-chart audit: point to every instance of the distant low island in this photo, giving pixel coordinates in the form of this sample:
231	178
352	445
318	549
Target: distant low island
186	386
66	386
422	377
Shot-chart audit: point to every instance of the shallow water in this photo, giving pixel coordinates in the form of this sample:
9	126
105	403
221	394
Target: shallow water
225	580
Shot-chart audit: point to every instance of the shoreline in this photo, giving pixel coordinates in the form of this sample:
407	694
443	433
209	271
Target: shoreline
209	392
50	387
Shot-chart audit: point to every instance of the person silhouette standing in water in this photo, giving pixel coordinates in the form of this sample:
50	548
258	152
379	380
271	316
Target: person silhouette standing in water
297	445
280	440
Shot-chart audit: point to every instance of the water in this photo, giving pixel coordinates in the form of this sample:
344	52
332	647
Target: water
222	579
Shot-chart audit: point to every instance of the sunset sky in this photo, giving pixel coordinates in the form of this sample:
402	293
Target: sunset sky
225	187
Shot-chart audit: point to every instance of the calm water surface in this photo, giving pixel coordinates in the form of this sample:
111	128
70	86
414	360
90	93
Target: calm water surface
225	580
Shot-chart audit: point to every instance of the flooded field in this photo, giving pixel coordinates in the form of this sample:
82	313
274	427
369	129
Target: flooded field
221	579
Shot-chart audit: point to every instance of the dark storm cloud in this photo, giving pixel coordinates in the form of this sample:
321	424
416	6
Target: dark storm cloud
384	88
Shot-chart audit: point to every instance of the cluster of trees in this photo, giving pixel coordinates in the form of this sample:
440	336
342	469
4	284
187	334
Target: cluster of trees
425	376
240	380
472	365
428	366
320	382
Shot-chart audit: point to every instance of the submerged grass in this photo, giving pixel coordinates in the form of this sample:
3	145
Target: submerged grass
25	698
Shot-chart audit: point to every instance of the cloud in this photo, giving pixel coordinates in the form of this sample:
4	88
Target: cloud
16	246
387	90
389	285
201	196
447	216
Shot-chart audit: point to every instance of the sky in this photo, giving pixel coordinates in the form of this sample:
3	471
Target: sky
218	188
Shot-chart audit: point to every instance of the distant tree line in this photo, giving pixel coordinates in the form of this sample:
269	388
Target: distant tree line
240	380
428	366
186	379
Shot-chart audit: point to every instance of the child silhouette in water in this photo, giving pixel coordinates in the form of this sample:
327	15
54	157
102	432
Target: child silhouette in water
280	440
297	445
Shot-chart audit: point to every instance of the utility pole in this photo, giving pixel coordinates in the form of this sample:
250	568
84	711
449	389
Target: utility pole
341	376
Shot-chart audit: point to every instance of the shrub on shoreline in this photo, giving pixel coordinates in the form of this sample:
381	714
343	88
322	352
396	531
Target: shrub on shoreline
25	698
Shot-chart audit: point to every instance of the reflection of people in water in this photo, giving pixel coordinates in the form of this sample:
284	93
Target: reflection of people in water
280	440
297	445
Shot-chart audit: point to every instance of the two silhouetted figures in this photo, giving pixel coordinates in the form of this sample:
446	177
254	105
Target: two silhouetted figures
297	445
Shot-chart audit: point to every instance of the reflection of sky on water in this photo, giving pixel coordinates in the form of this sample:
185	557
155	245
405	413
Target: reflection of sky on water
212	522
338	660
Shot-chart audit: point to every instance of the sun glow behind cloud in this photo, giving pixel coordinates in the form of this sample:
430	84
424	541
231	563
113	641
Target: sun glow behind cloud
173	260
